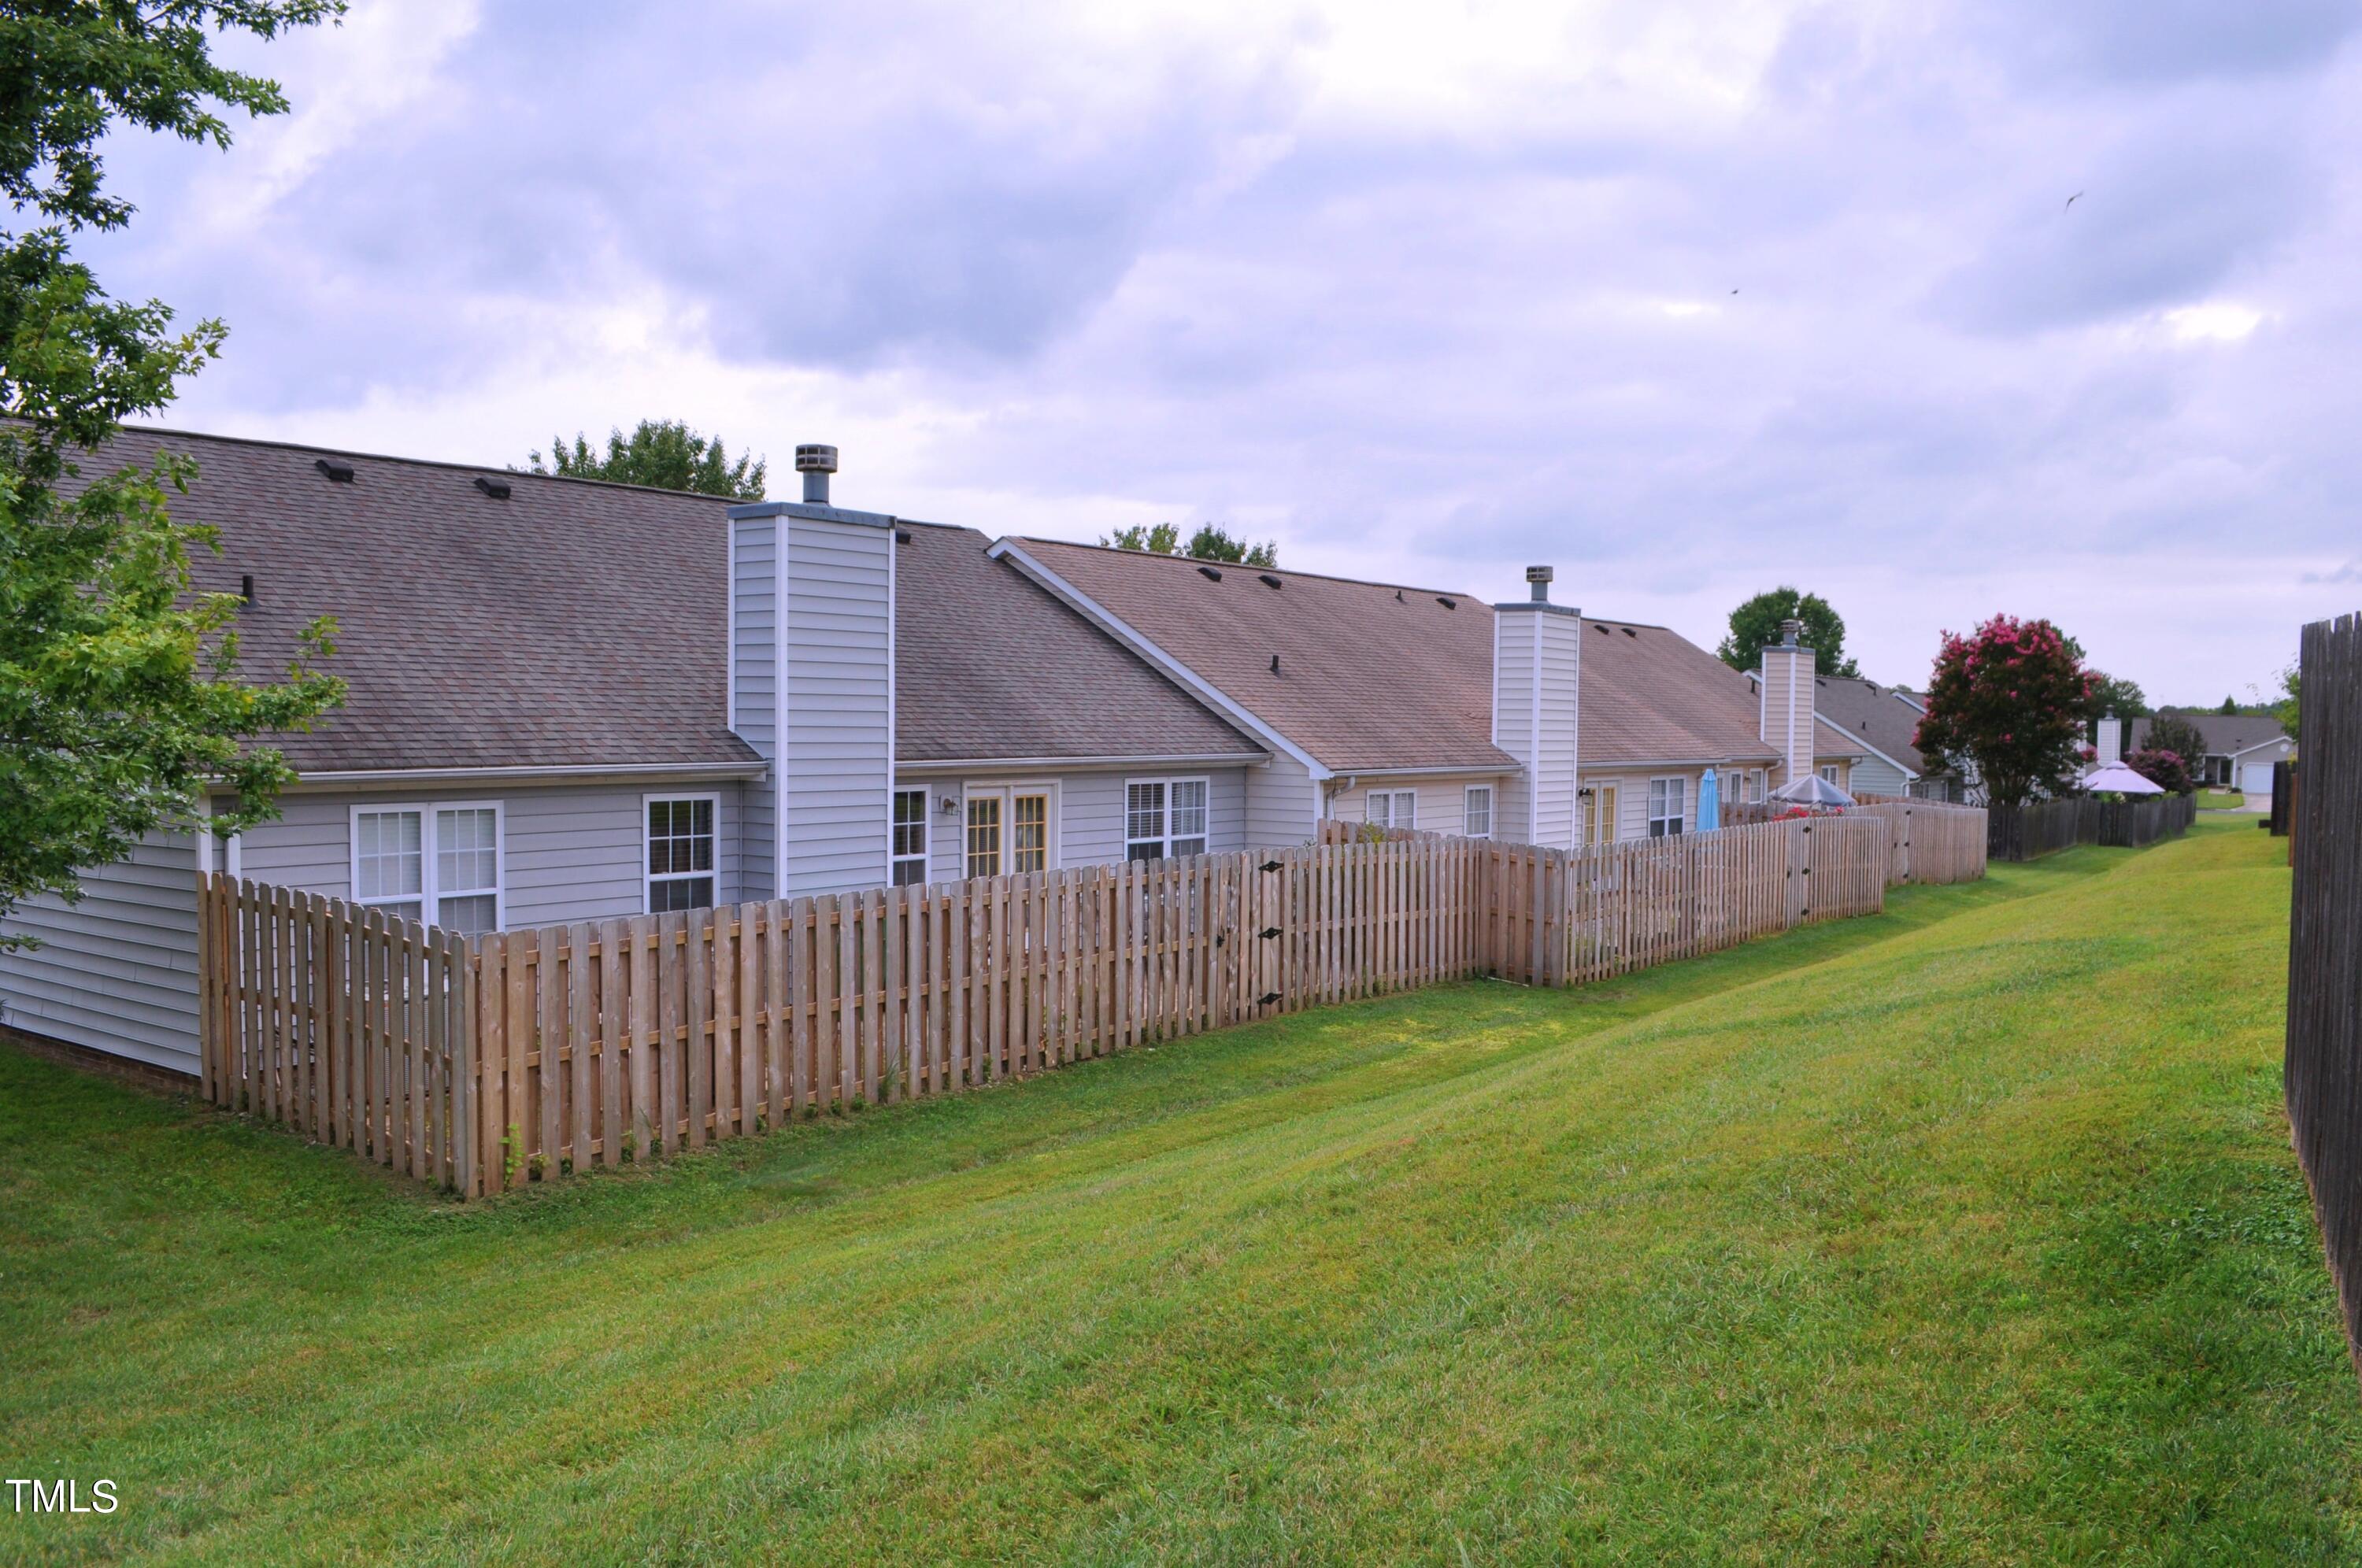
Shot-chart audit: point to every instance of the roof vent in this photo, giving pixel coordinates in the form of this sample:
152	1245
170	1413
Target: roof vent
1267	579
1446	603
1209	574
1603	631
1398	598
1631	634
1538	578
245	587
902	535
497	488
815	461
1275	664
339	473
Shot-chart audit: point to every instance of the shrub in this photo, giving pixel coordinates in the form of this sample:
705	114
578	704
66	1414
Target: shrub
2166	769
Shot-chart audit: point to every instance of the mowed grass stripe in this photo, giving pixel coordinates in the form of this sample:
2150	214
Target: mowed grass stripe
1964	1234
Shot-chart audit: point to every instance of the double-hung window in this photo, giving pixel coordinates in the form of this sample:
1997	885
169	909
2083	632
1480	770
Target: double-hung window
1830	771
438	865
1166	817
1393	808
1668	807
680	852
1476	818
909	852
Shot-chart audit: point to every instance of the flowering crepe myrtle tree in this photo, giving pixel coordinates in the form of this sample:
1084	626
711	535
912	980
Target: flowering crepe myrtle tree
2168	770
2008	699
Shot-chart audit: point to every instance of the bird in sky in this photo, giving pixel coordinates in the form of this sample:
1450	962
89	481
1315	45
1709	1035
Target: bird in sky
2073	200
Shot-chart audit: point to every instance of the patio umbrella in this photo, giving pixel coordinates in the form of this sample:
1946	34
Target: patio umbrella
2117	779
1709	815
1813	790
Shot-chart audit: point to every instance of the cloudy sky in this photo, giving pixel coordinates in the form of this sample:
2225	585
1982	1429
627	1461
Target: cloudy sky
1688	299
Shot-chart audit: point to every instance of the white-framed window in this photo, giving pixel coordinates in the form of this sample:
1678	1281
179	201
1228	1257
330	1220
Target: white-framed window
1830	771
1759	785
1668	807
909	850
1393	808
1476	813
438	864
1166	817
682	839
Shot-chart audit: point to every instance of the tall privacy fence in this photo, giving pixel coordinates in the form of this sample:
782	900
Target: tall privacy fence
1927	841
484	1062
2324	1077
2041	827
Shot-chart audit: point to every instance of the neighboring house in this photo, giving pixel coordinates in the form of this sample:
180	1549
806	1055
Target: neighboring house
2240	747
572	700
1419	707
1883	720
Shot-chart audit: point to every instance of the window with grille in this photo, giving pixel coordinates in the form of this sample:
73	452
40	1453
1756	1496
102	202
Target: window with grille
1476	816
909	850
1028	833
1189	824
680	854
467	869
438	865
1830	771
1668	807
984	835
390	861
1393	808
1143	820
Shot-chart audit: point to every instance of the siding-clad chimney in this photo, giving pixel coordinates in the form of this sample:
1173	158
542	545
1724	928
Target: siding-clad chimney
1788	700
812	689
2111	740
1537	684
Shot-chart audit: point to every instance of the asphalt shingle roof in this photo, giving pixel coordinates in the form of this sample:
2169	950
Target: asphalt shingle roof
2227	735
1375	676
574	623
1872	714
582	624
992	664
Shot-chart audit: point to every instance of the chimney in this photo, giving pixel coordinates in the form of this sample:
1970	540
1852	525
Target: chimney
815	463
1536	680
2111	740
1787	726
811	688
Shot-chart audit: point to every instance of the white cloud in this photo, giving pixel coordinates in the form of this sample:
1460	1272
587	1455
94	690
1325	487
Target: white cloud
2215	321
1689	297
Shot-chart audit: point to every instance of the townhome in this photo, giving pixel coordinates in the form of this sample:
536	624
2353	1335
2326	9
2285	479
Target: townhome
572	700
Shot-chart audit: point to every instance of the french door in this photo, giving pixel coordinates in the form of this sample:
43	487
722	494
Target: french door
1011	829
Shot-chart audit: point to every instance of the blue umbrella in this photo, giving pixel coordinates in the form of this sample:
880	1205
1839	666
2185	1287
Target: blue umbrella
1709	815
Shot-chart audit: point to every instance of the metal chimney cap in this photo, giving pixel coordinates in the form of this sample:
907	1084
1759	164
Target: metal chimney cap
815	458
1541	574
1789	631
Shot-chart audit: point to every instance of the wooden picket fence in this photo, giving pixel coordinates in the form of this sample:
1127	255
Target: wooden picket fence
2322	1071
483	1063
1927	841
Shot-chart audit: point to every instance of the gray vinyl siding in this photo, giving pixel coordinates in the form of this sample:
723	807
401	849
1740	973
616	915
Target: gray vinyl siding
754	686
837	760
567	853
1089	812
1443	803
118	970
1878	777
1283	805
1513	677
1537	691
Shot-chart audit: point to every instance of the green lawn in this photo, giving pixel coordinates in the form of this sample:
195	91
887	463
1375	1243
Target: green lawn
2221	799
1966	1233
